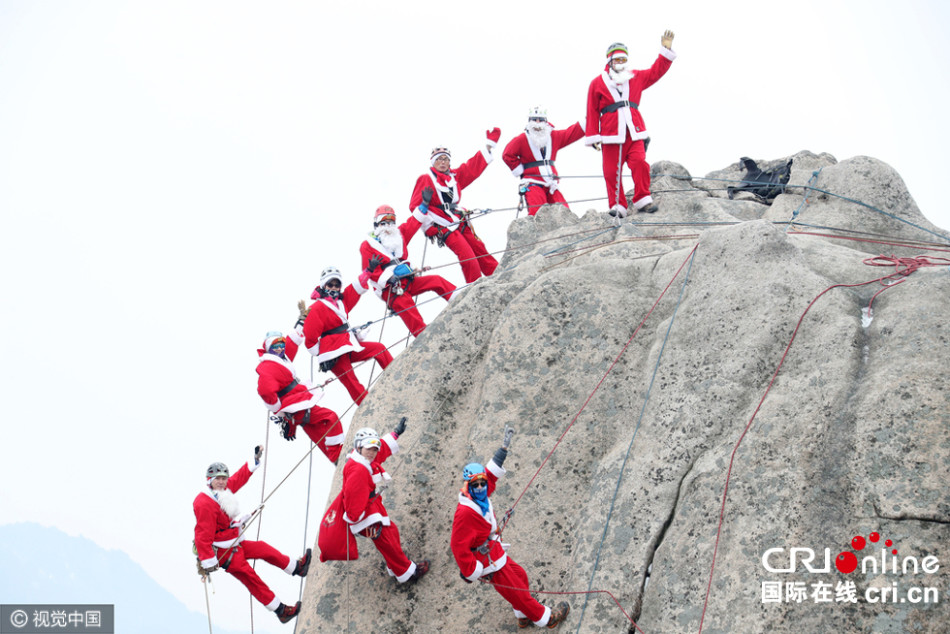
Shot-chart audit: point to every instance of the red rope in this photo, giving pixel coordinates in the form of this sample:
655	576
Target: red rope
904	267
604	378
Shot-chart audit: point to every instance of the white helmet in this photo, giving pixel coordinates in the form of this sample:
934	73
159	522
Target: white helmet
330	273
366	437
537	113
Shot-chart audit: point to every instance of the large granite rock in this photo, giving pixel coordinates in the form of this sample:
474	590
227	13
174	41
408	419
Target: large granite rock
850	437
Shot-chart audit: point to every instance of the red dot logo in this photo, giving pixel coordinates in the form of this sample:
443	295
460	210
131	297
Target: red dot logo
874	537
888	543
846	562
858	543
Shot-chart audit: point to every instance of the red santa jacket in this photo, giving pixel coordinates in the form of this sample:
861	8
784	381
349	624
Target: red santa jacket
362	504
610	127
327	314
447	190
214	528
471	531
277	375
379	278
522	151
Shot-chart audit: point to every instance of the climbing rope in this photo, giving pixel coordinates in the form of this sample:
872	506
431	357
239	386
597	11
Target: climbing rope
903	268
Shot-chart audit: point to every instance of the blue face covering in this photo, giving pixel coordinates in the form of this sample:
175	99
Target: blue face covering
480	497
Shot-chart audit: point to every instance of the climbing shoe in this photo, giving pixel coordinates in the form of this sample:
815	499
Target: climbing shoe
650	209
523	622
285	612
558	615
421	569
303	564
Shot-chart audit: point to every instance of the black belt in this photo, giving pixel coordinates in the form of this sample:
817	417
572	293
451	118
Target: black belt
284	391
538	163
337	331
617	105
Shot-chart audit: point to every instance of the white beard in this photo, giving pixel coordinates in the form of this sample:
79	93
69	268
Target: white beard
391	239
540	138
229	503
620	77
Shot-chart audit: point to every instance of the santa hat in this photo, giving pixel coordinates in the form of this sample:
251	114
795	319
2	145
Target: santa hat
617	49
437	152
384	213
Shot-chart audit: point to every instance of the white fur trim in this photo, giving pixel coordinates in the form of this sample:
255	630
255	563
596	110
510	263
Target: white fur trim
369	520
334	440
518	171
495	468
273	605
390	439
209	563
291	566
591	140
667	53
487	154
643	202
544	617
296	335
421	217
404	577
478	571
272	407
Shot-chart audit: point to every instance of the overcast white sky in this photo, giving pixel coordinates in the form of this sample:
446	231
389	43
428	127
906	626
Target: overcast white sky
174	175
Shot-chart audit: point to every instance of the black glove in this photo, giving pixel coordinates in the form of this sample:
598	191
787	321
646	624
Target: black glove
427	196
288	429
464	579
326	366
374	263
401	426
258	452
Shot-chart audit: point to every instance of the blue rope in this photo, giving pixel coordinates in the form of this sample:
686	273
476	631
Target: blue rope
623	465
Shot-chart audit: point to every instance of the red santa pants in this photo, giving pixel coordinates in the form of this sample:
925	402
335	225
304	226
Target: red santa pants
511	582
343	368
471	252
404	305
389	547
635	156
243	572
538	195
324	429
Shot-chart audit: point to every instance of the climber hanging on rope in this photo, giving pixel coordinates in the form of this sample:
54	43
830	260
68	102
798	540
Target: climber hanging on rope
219	543
358	508
329	338
530	157
479	553
293	402
385	256
614	121
442	218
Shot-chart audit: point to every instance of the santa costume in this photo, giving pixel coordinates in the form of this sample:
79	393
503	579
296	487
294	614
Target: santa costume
218	539
444	220
328	336
614	120
478	551
385	257
360	507
530	156
294	400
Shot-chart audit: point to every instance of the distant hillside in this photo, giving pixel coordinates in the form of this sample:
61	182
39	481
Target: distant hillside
44	565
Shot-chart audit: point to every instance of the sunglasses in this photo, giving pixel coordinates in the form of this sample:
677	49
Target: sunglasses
333	284
478	484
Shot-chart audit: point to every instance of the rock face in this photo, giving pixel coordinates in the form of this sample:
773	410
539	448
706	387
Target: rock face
851	438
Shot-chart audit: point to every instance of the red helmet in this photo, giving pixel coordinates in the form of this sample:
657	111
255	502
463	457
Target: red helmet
384	213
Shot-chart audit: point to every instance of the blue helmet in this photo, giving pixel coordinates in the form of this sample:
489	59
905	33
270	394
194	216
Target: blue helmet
472	469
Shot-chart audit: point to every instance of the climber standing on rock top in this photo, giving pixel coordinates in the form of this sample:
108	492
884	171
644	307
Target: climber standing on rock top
614	122
479	553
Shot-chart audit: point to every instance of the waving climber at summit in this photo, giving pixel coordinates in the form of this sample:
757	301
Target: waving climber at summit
614	121
530	157
435	203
